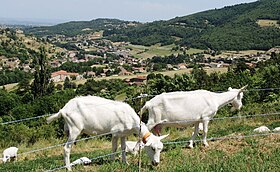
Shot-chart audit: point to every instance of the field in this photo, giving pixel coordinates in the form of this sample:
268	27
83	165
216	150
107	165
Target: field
145	52
268	23
259	153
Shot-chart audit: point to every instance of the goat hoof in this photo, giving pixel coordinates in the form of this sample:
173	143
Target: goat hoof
206	145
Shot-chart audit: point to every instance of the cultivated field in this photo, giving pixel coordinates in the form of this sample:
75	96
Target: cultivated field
145	52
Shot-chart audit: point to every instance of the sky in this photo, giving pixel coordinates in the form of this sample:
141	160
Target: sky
129	10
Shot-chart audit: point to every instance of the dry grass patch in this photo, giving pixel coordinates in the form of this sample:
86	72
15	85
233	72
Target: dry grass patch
268	23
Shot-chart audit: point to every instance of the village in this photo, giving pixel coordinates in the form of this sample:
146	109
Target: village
104	58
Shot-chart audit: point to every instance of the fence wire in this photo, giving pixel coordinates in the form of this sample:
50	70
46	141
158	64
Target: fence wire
181	142
224	138
113	132
92	160
78	140
134	98
166	143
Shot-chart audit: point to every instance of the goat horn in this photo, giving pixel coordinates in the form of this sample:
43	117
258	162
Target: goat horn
243	88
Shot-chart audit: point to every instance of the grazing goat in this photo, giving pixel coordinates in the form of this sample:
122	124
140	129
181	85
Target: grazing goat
10	154
133	147
96	115
181	109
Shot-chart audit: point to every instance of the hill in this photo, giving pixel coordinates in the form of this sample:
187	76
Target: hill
239	27
14	43
230	28
80	27
17	51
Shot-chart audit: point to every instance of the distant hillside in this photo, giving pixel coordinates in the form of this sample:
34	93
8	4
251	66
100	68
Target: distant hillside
230	28
13	43
239	27
80	27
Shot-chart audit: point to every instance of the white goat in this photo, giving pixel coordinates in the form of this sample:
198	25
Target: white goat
82	160
96	115
181	109
262	129
277	129
10	154
133	147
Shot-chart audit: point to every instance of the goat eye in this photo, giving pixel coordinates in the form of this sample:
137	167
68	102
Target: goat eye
153	149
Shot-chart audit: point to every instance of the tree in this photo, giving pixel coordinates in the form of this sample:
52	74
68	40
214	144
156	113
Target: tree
41	75
23	86
67	83
201	78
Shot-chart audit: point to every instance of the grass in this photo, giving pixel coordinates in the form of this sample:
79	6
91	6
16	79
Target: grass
10	87
241	53
250	154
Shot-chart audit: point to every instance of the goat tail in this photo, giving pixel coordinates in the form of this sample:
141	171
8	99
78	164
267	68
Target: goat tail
53	117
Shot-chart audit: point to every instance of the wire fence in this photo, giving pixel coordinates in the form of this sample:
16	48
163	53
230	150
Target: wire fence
25	119
78	140
165	143
134	127
133	98
224	138
182	142
92	160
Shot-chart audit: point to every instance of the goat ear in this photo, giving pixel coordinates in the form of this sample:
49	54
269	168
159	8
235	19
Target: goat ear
164	136
229	88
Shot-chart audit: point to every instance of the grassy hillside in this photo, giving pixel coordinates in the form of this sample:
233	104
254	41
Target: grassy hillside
249	154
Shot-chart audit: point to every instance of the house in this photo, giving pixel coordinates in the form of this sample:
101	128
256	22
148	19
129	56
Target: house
72	54
90	74
55	63
251	65
182	66
169	67
62	75
216	65
138	69
26	67
124	71
138	80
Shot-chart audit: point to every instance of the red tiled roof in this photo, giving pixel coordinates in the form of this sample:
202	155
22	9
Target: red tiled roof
63	72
